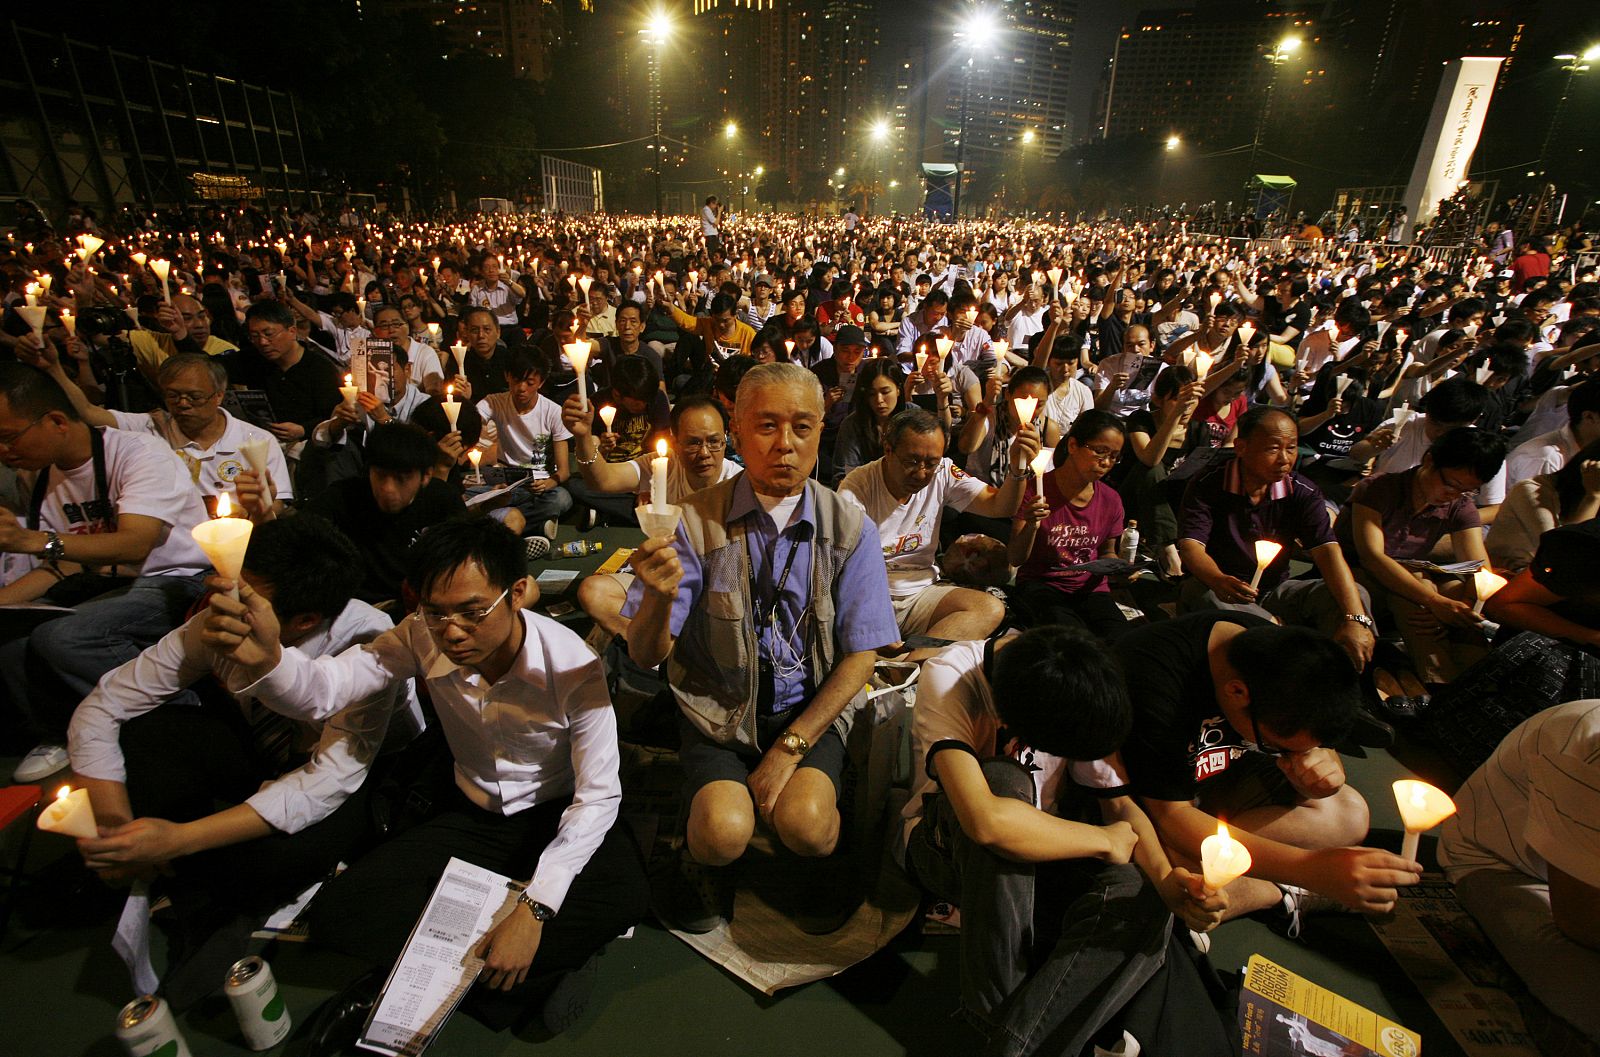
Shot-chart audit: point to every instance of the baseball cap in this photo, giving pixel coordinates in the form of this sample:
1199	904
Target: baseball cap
850	335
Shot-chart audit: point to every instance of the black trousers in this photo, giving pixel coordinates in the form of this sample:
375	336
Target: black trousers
1094	611
369	910
186	761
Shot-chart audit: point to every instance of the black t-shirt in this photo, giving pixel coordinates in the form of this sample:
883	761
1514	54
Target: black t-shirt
1565	565
1277	319
305	394
1180	737
383	539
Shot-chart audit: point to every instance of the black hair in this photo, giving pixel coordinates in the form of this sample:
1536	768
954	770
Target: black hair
871	370
457	542
476	310
524	360
633	306
1317	692
1253	419
1570	490
1046	668
1457	400
400	447
1353	314
730	373
312	566
635	377
343	302
962	300
1029	375
32	393
723	303
1466	448
913	419
1467	306
1094	422
1507	359
699	402
1171	380
270	312
1585	396
1518	330
935	297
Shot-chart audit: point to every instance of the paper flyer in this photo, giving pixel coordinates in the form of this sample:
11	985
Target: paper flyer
1284	1015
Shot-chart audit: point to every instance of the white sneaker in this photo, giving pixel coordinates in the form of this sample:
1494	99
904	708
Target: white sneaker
1128	1047
549	529
538	547
41	762
1298	902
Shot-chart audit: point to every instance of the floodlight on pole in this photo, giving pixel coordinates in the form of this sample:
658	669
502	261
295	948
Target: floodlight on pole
731	129
978	31
656	32
1173	142
1571	65
1277	56
880	130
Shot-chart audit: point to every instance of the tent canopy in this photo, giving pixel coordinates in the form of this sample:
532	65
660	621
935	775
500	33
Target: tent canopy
1273	183
938	170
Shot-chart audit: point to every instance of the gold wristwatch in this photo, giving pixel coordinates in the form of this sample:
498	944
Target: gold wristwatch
794	744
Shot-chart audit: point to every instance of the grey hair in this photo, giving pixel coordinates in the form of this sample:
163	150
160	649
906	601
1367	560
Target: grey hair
913	419
179	362
775	375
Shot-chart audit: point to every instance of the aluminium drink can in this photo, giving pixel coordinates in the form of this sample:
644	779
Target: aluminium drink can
257	1002
145	1028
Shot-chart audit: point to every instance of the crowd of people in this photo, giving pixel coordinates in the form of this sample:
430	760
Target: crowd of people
1166	519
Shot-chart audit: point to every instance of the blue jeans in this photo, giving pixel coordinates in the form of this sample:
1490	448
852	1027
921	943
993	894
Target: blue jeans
50	670
539	507
1050	952
617	508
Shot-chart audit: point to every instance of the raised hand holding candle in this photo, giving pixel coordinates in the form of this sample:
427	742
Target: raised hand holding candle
459	351
138	258
578	355
69	814
1247	333
658	476
1267	552
1223	860
349	389
608	415
1202	365
452	406
1040	466
163	269
1422	807
1487	583
921	356
1215	300
944	345
34	315
69	321
223	540
1025	406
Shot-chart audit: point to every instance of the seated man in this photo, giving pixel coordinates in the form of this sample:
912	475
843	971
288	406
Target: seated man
1018	815
301	383
186	328
1255	496
207	439
388	507
769	606
296	793
699	441
534	789
112	506
523	430
1231	719
1523	851
905	493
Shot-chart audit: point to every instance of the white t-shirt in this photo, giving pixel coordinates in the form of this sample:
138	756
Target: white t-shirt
213	469
1069	400
142	477
677	480
342	336
1534	804
423	361
910	530
1543	454
1024	325
708	221
525	439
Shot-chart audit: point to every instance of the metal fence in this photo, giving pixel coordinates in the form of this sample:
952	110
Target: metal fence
105	128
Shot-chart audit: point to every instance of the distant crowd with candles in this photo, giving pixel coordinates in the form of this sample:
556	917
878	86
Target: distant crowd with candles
1166	520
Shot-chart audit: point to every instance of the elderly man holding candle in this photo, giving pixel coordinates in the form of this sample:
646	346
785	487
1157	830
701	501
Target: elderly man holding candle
1020	813
768	606
108	527
1258	496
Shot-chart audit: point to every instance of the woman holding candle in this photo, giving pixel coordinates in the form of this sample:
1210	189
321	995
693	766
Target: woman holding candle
873	402
1078	519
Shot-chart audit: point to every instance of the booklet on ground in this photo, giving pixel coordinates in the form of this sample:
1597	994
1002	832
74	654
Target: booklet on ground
1284	1015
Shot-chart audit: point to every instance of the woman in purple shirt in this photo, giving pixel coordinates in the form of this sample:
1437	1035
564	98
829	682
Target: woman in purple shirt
1078	519
1398	517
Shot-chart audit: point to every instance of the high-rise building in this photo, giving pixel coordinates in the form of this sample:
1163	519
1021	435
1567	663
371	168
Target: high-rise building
523	32
1007	71
816	85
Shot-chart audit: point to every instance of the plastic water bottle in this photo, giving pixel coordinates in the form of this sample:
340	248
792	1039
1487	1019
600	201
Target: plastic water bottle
1130	542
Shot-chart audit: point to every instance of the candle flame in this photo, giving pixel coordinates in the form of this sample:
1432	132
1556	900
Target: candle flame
449	393
224	508
347	380
63	792
1222	832
661	449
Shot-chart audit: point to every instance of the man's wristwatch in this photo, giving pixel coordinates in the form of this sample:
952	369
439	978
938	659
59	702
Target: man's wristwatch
55	548
1365	621
794	744
539	911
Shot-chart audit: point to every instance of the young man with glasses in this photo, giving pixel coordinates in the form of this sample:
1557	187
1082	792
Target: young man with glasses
698	460
302	385
106	502
534	789
905	493
344	324
1232	719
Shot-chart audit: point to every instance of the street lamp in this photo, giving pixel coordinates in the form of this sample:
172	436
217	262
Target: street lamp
656	34
1572	65
1279	55
979	30
1173	142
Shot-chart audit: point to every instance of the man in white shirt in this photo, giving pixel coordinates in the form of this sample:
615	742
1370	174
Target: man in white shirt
112	501
344	324
1523	851
905	493
1549	452
534	791
711	227
928	315
523	429
1452	404
499	296
296	793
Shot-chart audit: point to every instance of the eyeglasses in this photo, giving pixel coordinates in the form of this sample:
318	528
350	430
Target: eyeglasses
393	324
174	396
10	439
1103	454
912	464
266	335
485	329
711	444
466	620
1261	746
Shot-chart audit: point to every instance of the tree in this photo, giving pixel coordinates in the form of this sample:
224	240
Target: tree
865	191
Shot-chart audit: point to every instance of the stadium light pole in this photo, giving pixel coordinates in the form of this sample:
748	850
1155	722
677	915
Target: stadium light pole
1572	65
656	34
1279	55
978	31
881	132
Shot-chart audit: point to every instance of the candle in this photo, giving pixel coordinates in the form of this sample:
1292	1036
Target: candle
788	348
1247	331
459	351
34	315
1202	364
584	282
224	539
578	355
944	345
138	258
452	406
1484	373
1223	860
1215	300
1000	349
475	456
921	356
608	415
1024	407
1267	552
349	389
163	268
658	477
69	814
1486	583
1055	279
1040	464
69	321
254	451
1422	807
434	330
